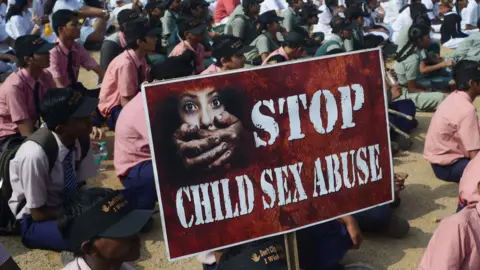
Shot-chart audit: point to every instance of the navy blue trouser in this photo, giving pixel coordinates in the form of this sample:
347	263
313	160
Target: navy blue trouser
42	235
140	185
112	119
451	173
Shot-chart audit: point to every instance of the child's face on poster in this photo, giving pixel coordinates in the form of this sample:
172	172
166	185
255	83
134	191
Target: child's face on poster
199	108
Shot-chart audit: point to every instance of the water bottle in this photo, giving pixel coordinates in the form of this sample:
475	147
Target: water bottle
101	155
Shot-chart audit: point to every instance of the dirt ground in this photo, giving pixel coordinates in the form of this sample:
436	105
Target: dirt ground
425	201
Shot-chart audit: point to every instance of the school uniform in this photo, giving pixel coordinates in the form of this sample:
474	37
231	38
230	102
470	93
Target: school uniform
241	26
433	9
112	46
409	69
451	32
470	14
87	28
336	41
264	43
199	54
31	182
80	264
324	20
18	100
456	242
468	185
453	132
123	78
19	26
404	20
169	25
290	19
65	64
211	69
132	159
469	48
268	5
279	51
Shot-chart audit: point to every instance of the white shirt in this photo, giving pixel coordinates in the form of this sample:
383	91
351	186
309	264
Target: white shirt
19	26
31	180
403	20
433	9
67	4
470	14
80	264
268	5
324	20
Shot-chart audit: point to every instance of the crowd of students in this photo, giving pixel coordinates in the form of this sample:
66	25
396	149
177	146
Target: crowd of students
47	116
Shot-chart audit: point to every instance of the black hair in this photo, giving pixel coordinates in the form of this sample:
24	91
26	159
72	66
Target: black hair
174	66
415	9
132	44
187	7
463	82
415	32
49	105
78	205
62	20
219	64
422	19
16	9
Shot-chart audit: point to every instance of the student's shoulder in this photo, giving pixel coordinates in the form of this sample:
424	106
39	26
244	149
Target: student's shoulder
30	151
462	221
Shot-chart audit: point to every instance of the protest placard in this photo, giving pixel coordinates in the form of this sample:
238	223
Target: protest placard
254	153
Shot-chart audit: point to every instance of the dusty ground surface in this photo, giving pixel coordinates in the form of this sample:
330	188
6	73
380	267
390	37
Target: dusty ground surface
425	201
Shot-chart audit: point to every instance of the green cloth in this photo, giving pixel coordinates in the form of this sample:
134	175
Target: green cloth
240	25
408	69
335	42
264	43
469	49
290	19
425	101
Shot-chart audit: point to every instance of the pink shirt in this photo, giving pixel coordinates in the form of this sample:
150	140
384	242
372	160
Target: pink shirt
454	130
17	100
121	80
200	54
456	242
121	38
279	51
211	69
467	188
131	137
224	8
59	61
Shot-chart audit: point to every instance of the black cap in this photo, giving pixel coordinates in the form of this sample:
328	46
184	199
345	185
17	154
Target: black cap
339	24
31	44
192	25
127	15
262	255
70	104
114	216
294	39
246	3
163	5
269	17
139	29
355	12
310	10
226	46
62	16
466	70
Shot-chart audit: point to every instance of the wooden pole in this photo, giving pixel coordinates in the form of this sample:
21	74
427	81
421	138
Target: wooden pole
291	251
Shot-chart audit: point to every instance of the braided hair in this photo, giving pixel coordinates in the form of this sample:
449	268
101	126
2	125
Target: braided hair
415	32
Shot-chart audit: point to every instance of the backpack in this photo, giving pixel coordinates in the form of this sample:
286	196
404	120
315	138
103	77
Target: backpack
43	137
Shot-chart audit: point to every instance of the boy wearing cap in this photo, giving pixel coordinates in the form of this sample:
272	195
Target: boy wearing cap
456	242
241	22
41	192
342	31
292	49
127	71
115	44
453	137
112	239
227	54
21	93
191	33
67	58
357	16
291	15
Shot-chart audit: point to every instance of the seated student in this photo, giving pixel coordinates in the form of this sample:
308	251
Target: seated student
266	42
309	18
184	63
242	22
227	54
169	21
469	48
127	71
112	239
417	15
468	10
42	191
325	18
453	138
223	9
357	16
456	242
410	68
292	48
191	33
115	44
342	30
291	16
67	58
405	19
6	260
95	20
22	92
19	20
451	31
155	11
